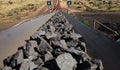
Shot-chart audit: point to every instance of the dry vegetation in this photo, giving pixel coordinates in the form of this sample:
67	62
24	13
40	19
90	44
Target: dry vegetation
12	11
99	5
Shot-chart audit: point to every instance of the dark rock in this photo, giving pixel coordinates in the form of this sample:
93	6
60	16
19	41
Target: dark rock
59	43
50	31
7	61
34	36
38	61
87	65
12	62
32	66
54	46
6	68
20	57
55	19
55	43
30	52
82	46
48	56
33	43
68	27
63	44
40	33
25	65
15	59
98	63
44	46
52	28
85	57
52	65
59	26
66	36
57	52
83	66
43	68
50	34
72	43
80	56
75	36
66	61
77	52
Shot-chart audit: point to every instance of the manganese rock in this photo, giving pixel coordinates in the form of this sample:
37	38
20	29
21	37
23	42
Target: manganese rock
6	68
48	56
25	65
44	46
54	46
66	61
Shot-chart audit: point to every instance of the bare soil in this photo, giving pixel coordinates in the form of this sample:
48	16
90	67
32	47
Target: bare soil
31	15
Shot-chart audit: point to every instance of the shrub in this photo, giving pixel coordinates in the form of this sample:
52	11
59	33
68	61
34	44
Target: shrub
10	2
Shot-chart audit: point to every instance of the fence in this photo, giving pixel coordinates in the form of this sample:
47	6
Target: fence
95	24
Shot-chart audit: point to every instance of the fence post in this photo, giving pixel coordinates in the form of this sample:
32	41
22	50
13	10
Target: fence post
94	24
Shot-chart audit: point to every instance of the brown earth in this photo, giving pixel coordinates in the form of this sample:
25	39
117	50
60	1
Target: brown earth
40	11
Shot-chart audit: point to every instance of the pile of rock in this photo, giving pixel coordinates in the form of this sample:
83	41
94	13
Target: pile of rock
55	46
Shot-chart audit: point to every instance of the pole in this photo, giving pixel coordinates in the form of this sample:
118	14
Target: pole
94	25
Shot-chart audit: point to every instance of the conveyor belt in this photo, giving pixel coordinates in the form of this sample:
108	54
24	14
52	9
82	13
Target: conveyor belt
99	45
12	38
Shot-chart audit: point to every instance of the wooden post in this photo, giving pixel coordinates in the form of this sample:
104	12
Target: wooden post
94	25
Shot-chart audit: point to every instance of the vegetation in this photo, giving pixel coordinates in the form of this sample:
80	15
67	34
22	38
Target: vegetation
110	5
100	5
77	5
13	10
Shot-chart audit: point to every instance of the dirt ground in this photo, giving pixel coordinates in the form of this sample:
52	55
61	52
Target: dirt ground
32	15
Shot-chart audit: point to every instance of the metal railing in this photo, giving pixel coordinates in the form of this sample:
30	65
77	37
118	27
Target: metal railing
94	23
110	29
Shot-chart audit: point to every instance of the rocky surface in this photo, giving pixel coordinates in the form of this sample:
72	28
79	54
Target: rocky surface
55	46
